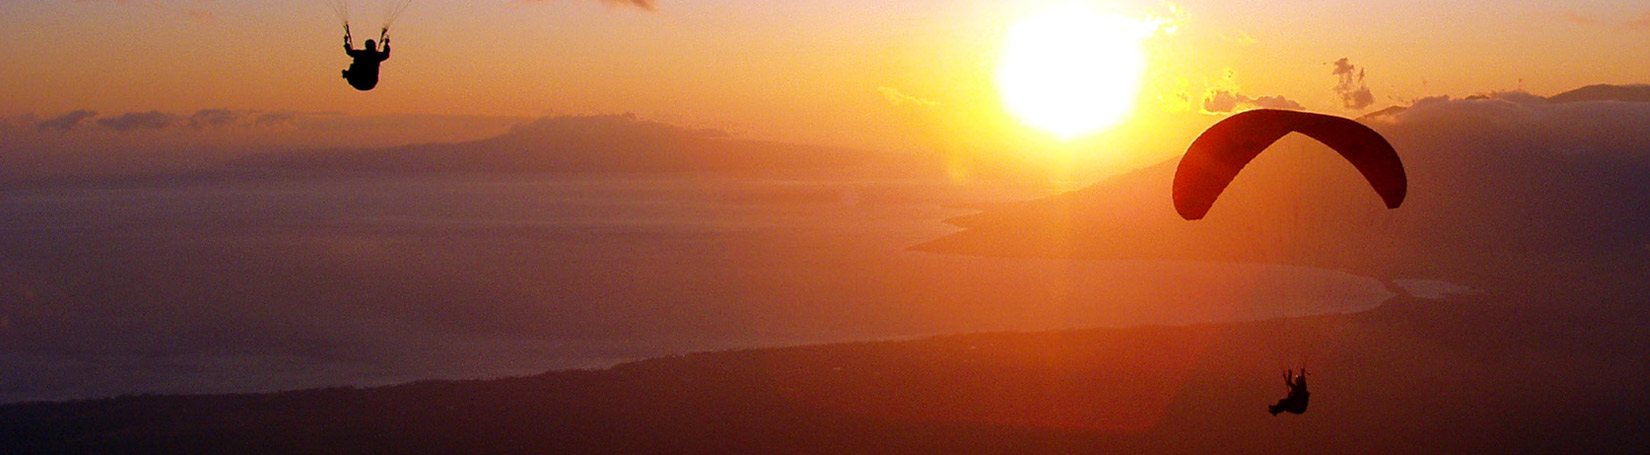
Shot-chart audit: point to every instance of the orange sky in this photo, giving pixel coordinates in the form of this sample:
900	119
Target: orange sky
818	72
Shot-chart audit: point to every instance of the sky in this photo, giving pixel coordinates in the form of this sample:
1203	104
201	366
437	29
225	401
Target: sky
896	75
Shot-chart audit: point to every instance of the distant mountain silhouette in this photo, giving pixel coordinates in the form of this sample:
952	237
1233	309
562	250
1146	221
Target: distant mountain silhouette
596	144
1636	93
1604	92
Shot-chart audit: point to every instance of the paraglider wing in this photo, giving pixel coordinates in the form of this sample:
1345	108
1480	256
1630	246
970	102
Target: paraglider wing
1217	155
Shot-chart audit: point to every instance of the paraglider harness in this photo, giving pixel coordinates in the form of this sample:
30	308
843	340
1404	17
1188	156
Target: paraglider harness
1296	402
363	72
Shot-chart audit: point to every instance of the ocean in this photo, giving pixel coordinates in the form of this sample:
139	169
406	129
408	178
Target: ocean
217	287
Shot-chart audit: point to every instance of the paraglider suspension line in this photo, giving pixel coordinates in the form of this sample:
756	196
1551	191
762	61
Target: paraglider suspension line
393	12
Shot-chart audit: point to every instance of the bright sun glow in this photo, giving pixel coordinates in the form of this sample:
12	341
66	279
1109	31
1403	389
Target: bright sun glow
1072	71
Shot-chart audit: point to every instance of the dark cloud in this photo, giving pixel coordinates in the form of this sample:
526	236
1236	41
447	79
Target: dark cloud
152	120
1224	96
1354	93
1512	96
274	119
214	118
648	5
67	121
1276	102
1222	101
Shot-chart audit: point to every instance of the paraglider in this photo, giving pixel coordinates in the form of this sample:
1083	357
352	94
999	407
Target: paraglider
1217	155
1296	401
363	69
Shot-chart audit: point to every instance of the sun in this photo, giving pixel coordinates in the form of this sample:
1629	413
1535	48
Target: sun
1072	71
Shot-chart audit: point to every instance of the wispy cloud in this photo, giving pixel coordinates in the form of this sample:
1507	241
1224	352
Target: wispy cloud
899	98
274	119
155	120
67	121
1354	92
647	5
152	120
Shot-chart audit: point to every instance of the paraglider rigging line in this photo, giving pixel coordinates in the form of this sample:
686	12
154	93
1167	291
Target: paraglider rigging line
393	9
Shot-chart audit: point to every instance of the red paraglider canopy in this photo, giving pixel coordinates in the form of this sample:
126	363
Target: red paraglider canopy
1217	155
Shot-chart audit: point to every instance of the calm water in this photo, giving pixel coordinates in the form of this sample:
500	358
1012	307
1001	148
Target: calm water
268	286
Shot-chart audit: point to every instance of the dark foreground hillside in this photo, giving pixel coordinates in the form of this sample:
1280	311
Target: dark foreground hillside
1415	376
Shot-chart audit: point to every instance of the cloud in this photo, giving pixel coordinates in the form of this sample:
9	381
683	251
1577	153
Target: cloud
647	5
1222	101
899	98
214	118
1275	102
201	120
152	120
275	119
1354	92
1511	96
71	144
67	121
1224	96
